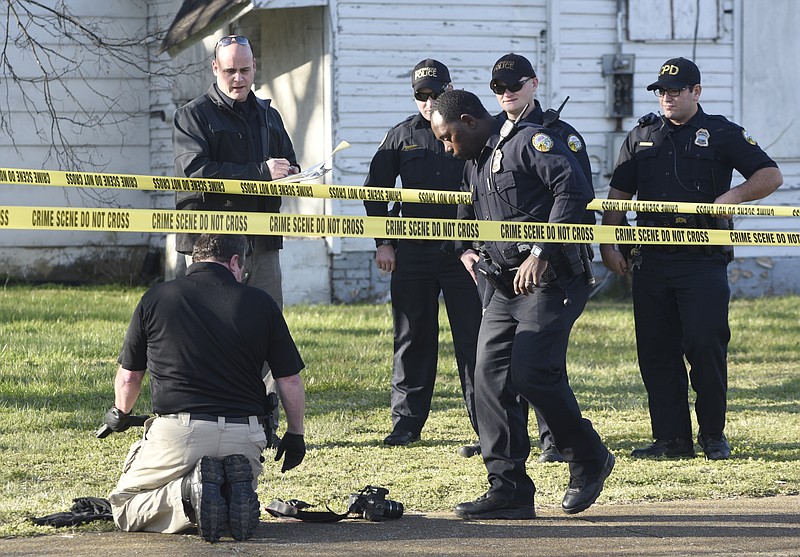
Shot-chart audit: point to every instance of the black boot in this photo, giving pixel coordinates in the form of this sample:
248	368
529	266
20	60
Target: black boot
201	490
243	506
670	448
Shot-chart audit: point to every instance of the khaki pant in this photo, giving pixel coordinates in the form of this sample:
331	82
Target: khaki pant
148	494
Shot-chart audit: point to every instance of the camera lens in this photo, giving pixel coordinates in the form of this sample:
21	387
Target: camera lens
394	509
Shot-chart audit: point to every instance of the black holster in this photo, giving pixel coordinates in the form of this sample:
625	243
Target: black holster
499	279
271	421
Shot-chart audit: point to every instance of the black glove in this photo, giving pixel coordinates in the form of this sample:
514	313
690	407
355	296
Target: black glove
84	509
92	505
118	420
294	446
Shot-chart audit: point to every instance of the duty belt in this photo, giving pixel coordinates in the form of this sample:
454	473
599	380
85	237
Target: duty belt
212	418
681	220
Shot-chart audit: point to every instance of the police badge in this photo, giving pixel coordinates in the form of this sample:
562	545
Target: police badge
701	137
497	159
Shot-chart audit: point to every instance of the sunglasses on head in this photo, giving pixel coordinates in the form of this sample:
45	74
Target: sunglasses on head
501	89
230	39
423	97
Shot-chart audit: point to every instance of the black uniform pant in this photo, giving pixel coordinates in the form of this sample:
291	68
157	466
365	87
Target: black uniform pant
422	272
680	303
485	291
522	349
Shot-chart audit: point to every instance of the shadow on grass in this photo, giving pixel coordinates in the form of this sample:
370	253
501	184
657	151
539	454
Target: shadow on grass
783	396
377	443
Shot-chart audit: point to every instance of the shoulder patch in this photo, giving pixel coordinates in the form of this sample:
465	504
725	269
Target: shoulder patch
574	142
542	142
749	138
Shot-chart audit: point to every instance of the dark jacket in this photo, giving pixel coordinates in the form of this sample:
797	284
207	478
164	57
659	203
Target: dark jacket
210	140
411	151
536	179
571	137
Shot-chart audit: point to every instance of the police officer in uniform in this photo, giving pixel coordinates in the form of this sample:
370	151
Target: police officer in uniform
681	292
514	83
422	269
524	174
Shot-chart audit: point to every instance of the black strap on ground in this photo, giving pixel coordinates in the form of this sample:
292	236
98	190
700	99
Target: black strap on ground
293	508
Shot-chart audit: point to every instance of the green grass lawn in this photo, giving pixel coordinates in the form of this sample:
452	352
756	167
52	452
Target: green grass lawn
58	349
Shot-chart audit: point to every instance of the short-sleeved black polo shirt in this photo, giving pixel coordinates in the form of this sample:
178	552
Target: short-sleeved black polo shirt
204	338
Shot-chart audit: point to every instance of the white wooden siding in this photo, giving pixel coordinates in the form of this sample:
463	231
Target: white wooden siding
376	45
122	148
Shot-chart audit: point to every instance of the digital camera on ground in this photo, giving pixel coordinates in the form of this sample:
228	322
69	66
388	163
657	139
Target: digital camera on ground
372	504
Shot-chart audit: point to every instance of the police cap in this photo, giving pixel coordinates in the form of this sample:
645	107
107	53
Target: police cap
430	74
510	69
676	73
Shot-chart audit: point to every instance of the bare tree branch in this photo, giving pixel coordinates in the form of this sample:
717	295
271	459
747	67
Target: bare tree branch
45	52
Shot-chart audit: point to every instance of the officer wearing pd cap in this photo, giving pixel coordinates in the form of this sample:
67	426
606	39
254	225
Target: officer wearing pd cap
422	269
524	176
681	292
514	83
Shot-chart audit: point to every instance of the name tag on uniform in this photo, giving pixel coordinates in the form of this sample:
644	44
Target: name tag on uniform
645	144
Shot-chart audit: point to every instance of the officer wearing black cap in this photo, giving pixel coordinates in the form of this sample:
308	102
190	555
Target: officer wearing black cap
524	175
514	83
422	269
681	292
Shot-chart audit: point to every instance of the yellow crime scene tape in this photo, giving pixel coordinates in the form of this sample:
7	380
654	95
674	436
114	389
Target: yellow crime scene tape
238	187
223	222
698	208
324	191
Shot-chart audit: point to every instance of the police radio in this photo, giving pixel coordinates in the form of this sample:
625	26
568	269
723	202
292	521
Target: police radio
509	126
551	116
506	131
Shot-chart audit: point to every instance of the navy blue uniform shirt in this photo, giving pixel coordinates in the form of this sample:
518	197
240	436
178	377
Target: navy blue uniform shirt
538	179
693	162
411	151
566	132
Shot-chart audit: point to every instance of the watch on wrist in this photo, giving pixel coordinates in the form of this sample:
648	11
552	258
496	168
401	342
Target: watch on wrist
536	251
385	242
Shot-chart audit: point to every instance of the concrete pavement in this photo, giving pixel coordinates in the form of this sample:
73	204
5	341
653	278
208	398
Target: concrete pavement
768	526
